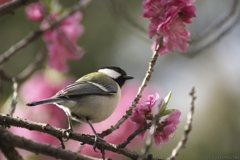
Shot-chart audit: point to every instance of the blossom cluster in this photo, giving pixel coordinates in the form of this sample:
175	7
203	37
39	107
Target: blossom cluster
167	19
143	113
61	41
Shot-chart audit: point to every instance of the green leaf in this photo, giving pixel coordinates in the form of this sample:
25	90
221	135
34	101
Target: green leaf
166	112
165	102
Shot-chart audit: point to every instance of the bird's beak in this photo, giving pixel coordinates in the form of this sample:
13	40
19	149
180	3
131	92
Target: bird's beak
128	77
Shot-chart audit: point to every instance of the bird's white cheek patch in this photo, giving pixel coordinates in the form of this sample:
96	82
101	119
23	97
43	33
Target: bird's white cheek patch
110	73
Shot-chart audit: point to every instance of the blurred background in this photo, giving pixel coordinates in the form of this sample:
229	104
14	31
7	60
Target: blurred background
111	37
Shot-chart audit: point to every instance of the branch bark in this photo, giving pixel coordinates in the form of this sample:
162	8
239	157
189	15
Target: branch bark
9	7
187	129
6	120
8	150
20	142
140	90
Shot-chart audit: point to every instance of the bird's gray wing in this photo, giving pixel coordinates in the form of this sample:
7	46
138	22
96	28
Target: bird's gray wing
87	88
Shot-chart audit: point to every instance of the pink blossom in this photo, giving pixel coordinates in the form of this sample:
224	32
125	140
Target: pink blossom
62	41
117	137
187	13
140	112
167	18
175	35
166	128
34	12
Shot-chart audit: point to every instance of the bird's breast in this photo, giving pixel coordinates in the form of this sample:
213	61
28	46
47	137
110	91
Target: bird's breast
94	107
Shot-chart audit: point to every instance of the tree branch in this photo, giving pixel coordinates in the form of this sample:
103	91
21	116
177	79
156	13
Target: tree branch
6	120
32	66
14	99
37	33
8	150
187	129
13	5
53	151
133	135
27	71
140	90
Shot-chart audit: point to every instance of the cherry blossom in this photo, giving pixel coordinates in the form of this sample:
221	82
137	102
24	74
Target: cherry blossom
34	12
166	128
140	112
61	41
167	19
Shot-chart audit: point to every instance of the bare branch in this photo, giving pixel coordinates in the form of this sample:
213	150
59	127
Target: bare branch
27	71
53	151
32	66
9	7
14	99
36	34
8	150
56	132
5	76
187	129
140	90
133	135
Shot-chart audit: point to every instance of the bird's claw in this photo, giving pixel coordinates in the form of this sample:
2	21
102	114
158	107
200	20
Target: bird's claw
97	138
66	133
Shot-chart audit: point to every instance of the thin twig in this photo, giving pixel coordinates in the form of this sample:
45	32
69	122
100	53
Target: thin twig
6	120
27	71
14	99
103	153
148	142
140	90
61	142
32	66
133	135
5	76
36	34
187	129
9	7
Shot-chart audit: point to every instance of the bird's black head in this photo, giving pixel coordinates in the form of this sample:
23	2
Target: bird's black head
116	73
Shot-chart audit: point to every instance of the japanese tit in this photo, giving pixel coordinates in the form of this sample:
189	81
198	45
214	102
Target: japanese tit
92	98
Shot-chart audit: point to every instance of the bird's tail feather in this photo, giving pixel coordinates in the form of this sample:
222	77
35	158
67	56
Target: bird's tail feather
44	101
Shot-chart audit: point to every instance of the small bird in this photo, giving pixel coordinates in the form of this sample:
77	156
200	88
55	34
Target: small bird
92	98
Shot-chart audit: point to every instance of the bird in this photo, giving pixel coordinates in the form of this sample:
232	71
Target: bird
92	98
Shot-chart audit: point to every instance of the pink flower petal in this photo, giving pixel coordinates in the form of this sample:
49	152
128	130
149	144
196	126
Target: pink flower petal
33	12
170	123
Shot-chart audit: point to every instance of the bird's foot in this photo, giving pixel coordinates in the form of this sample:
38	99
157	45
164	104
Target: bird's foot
66	133
96	140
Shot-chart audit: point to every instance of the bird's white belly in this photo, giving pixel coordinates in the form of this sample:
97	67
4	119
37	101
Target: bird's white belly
95	108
